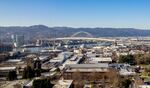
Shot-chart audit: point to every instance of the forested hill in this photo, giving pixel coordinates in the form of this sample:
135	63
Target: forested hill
45	31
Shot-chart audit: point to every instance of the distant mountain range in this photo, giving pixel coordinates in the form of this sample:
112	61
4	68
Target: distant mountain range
45	31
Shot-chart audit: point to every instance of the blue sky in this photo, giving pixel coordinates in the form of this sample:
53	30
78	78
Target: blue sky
76	13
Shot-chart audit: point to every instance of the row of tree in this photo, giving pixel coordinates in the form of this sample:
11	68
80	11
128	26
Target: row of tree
42	83
107	80
112	77
30	73
11	75
135	59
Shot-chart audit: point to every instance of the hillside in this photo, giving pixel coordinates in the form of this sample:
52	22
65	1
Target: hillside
44	31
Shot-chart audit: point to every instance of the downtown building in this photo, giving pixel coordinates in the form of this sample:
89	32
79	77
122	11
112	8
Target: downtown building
18	40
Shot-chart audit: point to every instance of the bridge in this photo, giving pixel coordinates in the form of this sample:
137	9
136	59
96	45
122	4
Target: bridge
80	38
82	32
74	37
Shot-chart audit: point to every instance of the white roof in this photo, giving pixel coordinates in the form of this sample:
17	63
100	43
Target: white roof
144	86
29	84
97	47
88	70
124	53
71	62
92	55
87	86
125	72
53	69
61	57
101	59
7	68
51	50
100	65
74	58
55	60
42	57
14	60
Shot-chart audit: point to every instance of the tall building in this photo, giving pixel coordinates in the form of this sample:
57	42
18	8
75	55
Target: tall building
18	40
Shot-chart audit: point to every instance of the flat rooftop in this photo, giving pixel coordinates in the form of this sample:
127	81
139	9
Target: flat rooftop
101	59
99	65
7	68
14	60
88	70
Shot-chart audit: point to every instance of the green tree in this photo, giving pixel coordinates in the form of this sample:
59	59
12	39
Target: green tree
126	83
11	75
28	73
139	59
127	59
58	70
42	83
142	58
37	72
146	58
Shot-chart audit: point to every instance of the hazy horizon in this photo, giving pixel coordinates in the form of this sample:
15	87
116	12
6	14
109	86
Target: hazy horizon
71	27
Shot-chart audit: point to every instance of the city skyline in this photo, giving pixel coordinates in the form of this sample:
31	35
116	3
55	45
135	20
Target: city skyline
74	44
76	13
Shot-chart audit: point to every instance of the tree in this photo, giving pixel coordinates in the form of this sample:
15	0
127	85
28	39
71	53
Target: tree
126	83
114	57
127	59
30	61
146	58
28	73
139	59
78	79
37	72
11	75
24	73
17	86
93	76
142	59
114	78
42	83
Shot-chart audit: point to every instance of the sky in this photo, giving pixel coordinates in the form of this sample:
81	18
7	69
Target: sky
76	13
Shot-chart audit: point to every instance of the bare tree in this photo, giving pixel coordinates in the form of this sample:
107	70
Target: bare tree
78	81
17	86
